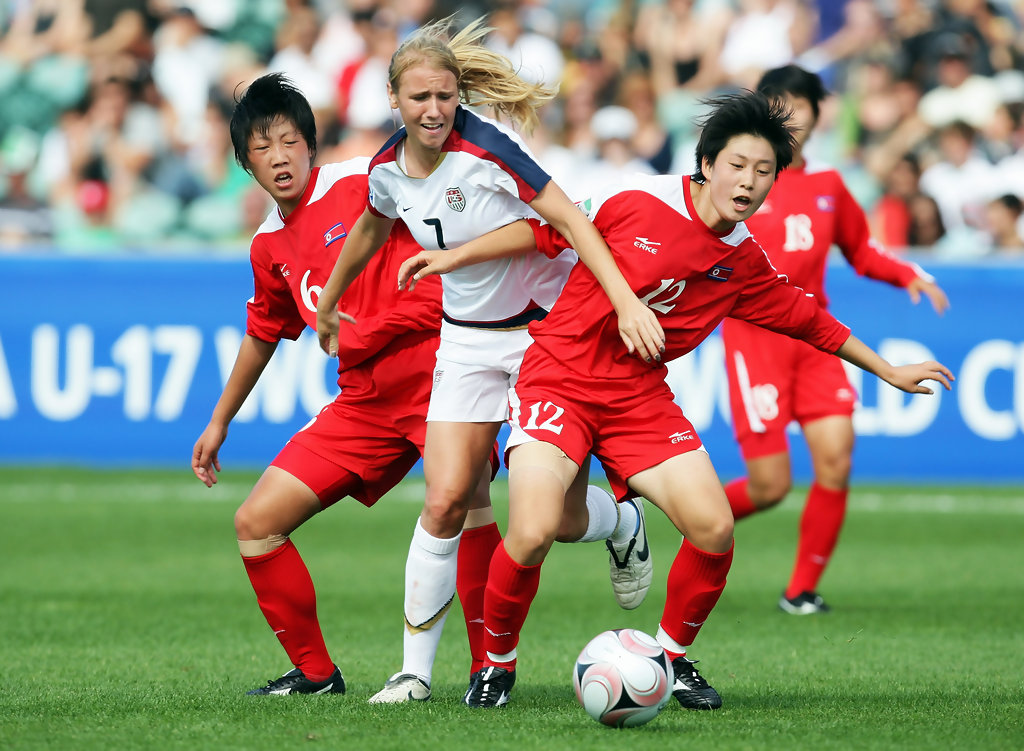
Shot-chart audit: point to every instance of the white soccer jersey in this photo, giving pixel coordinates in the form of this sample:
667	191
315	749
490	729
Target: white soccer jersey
484	181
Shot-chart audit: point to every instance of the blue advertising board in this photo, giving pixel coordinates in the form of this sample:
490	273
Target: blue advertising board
118	361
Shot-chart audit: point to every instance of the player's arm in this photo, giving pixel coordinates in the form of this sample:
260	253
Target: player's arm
365	239
253	356
638	326
513	239
904	377
770	301
870	259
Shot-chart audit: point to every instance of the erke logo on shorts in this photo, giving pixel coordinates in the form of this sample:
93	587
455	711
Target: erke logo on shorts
686	435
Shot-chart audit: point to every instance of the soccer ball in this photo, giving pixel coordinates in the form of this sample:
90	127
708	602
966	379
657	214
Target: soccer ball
623	678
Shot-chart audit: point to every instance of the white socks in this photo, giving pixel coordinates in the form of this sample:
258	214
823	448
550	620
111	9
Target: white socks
607	518
429	590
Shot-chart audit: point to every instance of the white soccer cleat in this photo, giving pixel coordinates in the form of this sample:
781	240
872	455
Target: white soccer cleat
400	688
630	565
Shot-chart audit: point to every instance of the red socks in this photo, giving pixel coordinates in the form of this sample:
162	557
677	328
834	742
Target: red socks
284	591
739	499
695	582
475	551
510	592
819	532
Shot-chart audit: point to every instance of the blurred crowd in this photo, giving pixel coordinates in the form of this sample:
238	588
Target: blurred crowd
113	129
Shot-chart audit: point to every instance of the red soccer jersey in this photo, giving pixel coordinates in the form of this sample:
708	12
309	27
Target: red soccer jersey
689	275
292	258
807	211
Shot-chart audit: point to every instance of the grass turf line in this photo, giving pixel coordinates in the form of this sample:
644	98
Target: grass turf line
128	623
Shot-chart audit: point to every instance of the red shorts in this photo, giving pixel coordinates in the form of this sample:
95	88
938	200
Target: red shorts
629	427
774	380
375	429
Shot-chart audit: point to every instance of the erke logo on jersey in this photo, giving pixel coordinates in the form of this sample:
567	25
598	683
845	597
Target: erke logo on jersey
825	203
334	233
719	273
455	199
686	435
647	244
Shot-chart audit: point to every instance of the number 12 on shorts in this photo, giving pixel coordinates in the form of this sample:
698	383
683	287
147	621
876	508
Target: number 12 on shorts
550	412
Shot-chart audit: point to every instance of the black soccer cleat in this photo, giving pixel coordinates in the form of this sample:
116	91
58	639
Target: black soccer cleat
805	603
296	682
690	689
491	687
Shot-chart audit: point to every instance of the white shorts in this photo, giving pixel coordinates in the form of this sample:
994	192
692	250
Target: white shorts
474	372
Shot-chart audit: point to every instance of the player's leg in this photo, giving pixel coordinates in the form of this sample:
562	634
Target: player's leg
455	458
686	487
760	368
830	442
768	481
278	504
592	514
480	537
539	476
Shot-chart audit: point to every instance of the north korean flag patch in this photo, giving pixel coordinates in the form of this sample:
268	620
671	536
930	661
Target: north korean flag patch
825	203
336	232
719	273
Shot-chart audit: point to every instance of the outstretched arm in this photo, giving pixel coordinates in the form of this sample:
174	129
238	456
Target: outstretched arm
920	285
253	356
904	377
511	240
365	239
638	326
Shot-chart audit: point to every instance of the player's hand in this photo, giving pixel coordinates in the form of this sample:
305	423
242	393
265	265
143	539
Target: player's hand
909	377
640	331
205	462
424	263
930	290
328	321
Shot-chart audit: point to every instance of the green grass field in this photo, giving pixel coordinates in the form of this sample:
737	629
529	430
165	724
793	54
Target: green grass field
128	623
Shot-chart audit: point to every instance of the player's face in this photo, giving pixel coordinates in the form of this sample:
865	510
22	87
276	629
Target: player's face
737	183
801	118
281	163
426	99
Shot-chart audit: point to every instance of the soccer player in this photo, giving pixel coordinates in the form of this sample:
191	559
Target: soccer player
368	438
683	247
453	175
773	379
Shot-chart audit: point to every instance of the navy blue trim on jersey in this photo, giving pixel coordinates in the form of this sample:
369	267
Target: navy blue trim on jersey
492	143
389	146
518	321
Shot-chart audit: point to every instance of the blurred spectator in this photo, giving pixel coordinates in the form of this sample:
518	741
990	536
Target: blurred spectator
186	62
680	45
961	180
295	41
764	34
1003	223
845	29
650	141
537	58
925	229
961	93
24	219
614	129
891	217
362	84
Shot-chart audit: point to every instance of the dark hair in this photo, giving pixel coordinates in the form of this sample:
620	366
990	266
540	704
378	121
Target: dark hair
1011	202
745	113
268	98
794	81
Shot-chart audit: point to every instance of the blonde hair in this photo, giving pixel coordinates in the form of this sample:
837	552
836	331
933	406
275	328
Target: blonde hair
483	77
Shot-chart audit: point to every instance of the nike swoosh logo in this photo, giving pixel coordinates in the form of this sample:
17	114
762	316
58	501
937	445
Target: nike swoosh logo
645	553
